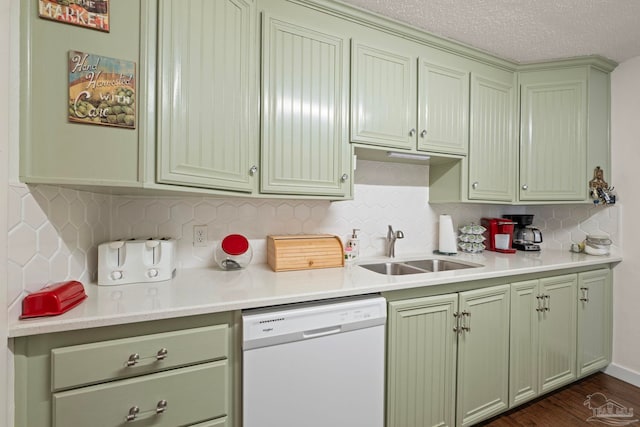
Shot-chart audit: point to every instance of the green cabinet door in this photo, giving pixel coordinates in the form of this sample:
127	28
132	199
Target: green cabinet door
483	354
594	321
207	86
558	332
443	109
421	362
553	144
524	341
383	95
493	138
305	89
543	336
54	150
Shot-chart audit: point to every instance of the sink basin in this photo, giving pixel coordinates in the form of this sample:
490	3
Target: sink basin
392	268
419	266
440	265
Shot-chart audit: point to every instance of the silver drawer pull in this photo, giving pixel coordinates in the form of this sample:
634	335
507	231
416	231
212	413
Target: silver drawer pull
162	354
132	360
161	406
135	358
133	413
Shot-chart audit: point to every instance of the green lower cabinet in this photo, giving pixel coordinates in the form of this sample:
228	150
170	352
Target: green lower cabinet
172	372
426	337
594	321
220	422
523	360
483	354
422	362
543	336
162	399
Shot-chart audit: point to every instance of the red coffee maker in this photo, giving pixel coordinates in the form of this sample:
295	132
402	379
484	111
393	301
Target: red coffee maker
499	234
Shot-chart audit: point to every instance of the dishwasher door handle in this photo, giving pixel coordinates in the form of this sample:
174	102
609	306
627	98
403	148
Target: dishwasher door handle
314	333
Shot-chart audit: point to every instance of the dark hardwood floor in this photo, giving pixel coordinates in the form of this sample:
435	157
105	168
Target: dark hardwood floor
565	407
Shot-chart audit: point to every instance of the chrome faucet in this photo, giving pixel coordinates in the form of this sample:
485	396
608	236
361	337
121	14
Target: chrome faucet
392	236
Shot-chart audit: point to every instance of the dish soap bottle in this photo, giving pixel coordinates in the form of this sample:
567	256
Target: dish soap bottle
354	244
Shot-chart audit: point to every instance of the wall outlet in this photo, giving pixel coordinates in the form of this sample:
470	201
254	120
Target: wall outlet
199	235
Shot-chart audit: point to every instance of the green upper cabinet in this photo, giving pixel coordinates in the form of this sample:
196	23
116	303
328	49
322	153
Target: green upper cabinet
54	150
553	149
443	109
207	86
409	97
594	321
383	96
305	90
493	137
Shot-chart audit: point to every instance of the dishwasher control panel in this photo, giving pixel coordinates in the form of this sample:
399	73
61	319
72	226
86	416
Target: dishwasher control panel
309	320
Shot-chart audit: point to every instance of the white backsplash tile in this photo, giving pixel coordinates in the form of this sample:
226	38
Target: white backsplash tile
54	232
52	235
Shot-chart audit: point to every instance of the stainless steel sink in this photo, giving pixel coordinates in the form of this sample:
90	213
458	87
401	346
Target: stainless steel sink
440	265
393	268
431	265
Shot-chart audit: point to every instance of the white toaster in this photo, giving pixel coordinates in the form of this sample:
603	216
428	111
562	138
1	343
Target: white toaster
136	260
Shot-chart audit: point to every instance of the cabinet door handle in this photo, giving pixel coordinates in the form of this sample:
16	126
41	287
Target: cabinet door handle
344	177
547	299
525	187
466	321
133	359
456	328
585	294
423	133
412	132
539	308
253	170
475	185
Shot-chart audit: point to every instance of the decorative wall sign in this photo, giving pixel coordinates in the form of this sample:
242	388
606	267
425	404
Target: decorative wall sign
102	91
85	13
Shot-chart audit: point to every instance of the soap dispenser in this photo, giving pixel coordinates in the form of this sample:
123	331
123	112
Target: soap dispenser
354	244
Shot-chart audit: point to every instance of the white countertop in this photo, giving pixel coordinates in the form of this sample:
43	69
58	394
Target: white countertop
210	290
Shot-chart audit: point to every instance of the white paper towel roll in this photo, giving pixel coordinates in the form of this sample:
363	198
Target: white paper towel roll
447	236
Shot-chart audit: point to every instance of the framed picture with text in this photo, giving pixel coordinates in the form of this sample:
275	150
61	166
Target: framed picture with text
92	14
102	90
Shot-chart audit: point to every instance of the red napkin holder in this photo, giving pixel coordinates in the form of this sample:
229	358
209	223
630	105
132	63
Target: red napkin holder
53	299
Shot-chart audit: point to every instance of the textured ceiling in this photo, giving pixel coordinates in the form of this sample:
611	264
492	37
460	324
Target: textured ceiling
525	30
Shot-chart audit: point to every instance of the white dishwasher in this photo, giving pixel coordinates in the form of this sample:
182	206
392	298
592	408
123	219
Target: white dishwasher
317	364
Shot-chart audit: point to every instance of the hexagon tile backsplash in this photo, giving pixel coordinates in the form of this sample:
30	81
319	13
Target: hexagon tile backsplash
54	232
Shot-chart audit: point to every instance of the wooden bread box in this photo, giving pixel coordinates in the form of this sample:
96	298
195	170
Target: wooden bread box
305	251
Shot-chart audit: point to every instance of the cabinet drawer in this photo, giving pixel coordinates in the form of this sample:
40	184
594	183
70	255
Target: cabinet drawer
92	363
220	422
192	394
